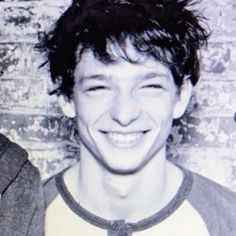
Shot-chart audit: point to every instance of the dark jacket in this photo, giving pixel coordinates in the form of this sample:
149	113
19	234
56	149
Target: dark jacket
21	200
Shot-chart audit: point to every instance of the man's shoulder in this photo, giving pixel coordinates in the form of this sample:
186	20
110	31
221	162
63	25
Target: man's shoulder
215	203
207	189
15	166
20	189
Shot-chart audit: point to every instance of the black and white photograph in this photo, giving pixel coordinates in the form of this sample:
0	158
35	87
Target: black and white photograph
117	118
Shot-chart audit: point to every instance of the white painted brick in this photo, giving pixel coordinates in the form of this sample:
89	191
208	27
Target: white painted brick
204	140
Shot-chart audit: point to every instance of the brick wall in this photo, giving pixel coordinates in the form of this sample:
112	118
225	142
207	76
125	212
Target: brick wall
204	140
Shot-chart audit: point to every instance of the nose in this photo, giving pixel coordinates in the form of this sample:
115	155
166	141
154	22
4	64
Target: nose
125	110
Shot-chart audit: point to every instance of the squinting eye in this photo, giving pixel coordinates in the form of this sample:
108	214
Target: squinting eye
154	86
96	88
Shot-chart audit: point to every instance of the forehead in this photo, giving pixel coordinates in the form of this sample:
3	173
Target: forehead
89	65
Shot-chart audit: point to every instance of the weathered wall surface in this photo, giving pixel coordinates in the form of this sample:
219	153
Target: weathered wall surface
204	140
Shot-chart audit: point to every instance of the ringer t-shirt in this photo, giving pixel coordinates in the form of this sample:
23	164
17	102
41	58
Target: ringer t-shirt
200	208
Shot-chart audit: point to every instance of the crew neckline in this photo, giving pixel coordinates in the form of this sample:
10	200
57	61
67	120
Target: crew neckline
118	225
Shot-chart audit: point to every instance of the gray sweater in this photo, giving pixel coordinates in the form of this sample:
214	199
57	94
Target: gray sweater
21	200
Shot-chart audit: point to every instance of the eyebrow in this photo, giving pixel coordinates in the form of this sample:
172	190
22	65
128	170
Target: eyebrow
95	77
140	77
152	75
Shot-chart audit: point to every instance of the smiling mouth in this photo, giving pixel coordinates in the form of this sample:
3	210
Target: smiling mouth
124	140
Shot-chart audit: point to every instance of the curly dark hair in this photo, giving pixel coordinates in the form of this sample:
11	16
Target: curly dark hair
164	29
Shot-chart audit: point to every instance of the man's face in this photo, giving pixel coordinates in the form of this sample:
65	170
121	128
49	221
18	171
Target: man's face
124	110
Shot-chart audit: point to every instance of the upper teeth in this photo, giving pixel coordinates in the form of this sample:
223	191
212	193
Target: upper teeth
124	138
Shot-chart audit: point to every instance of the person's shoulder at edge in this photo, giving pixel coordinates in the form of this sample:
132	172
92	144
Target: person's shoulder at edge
21	183
207	188
216	203
14	163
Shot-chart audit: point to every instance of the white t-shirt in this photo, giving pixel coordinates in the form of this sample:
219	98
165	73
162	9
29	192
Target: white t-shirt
200	208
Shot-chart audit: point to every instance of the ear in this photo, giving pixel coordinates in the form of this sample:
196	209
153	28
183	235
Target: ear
183	99
67	105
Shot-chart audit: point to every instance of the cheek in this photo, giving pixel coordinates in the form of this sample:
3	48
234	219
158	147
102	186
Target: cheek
159	110
89	110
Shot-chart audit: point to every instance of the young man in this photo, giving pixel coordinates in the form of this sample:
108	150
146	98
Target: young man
21	195
125	69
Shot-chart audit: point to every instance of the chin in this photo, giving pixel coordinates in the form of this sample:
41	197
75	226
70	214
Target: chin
123	167
122	171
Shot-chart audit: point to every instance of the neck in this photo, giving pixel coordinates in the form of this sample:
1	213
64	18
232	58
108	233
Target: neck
130	197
